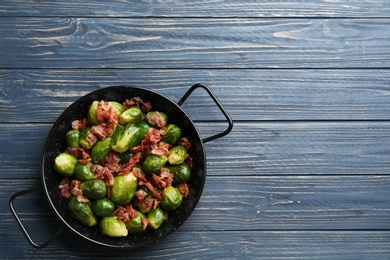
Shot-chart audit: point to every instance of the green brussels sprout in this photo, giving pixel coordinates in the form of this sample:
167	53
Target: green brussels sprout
103	207
83	172
92	116
131	115
128	136
173	134
171	198
123	191
81	211
134	226
100	150
83	138
65	164
117	106
153	163
181	173
94	189
153	115
72	138
155	218
177	155
113	227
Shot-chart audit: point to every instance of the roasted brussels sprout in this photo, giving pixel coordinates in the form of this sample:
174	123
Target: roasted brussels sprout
83	172
177	155
171	198
91	116
181	173
157	118
112	227
125	186
153	163
155	218
103	207
173	134
134	226
83	138
131	115
81	211
65	164
72	138
128	136
100	150
94	189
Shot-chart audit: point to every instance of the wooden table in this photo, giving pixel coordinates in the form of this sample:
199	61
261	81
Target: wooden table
305	171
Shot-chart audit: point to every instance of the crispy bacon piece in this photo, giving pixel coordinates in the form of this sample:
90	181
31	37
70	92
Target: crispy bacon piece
79	153
140	194
80	124
74	188
125	213
64	187
82	199
127	167
145	223
103	173
137	101
102	130
184	142
163	180
113	162
107	113
161	148
183	189
91	138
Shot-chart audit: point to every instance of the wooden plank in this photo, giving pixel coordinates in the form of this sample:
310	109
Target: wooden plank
231	8
216	245
256	203
194	43
362	94
251	149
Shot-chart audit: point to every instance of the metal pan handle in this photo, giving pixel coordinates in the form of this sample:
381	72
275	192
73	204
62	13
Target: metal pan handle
224	112
11	206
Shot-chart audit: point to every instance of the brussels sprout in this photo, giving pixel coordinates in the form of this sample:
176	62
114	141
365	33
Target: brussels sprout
131	115
134	226
94	189
153	118
83	172
113	227
91	116
128	136
123	191
72	138
65	164
173	134
117	106
181	173
81	211
171	198
103	207
83	138
101	150
153	163
177	155
155	218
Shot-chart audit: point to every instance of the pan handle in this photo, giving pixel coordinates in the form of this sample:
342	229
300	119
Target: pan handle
11	206
224	112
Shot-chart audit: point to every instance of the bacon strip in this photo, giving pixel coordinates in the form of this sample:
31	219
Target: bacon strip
137	101
80	124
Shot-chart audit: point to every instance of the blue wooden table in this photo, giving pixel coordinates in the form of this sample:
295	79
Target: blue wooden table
305	171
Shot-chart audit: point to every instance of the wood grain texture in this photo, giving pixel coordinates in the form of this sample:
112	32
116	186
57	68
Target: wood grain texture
194	43
219	8
251	149
253	203
41	95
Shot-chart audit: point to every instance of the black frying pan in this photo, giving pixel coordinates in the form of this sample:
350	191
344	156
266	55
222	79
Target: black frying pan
56	144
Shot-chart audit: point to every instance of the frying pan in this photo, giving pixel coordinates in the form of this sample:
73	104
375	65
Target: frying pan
55	144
